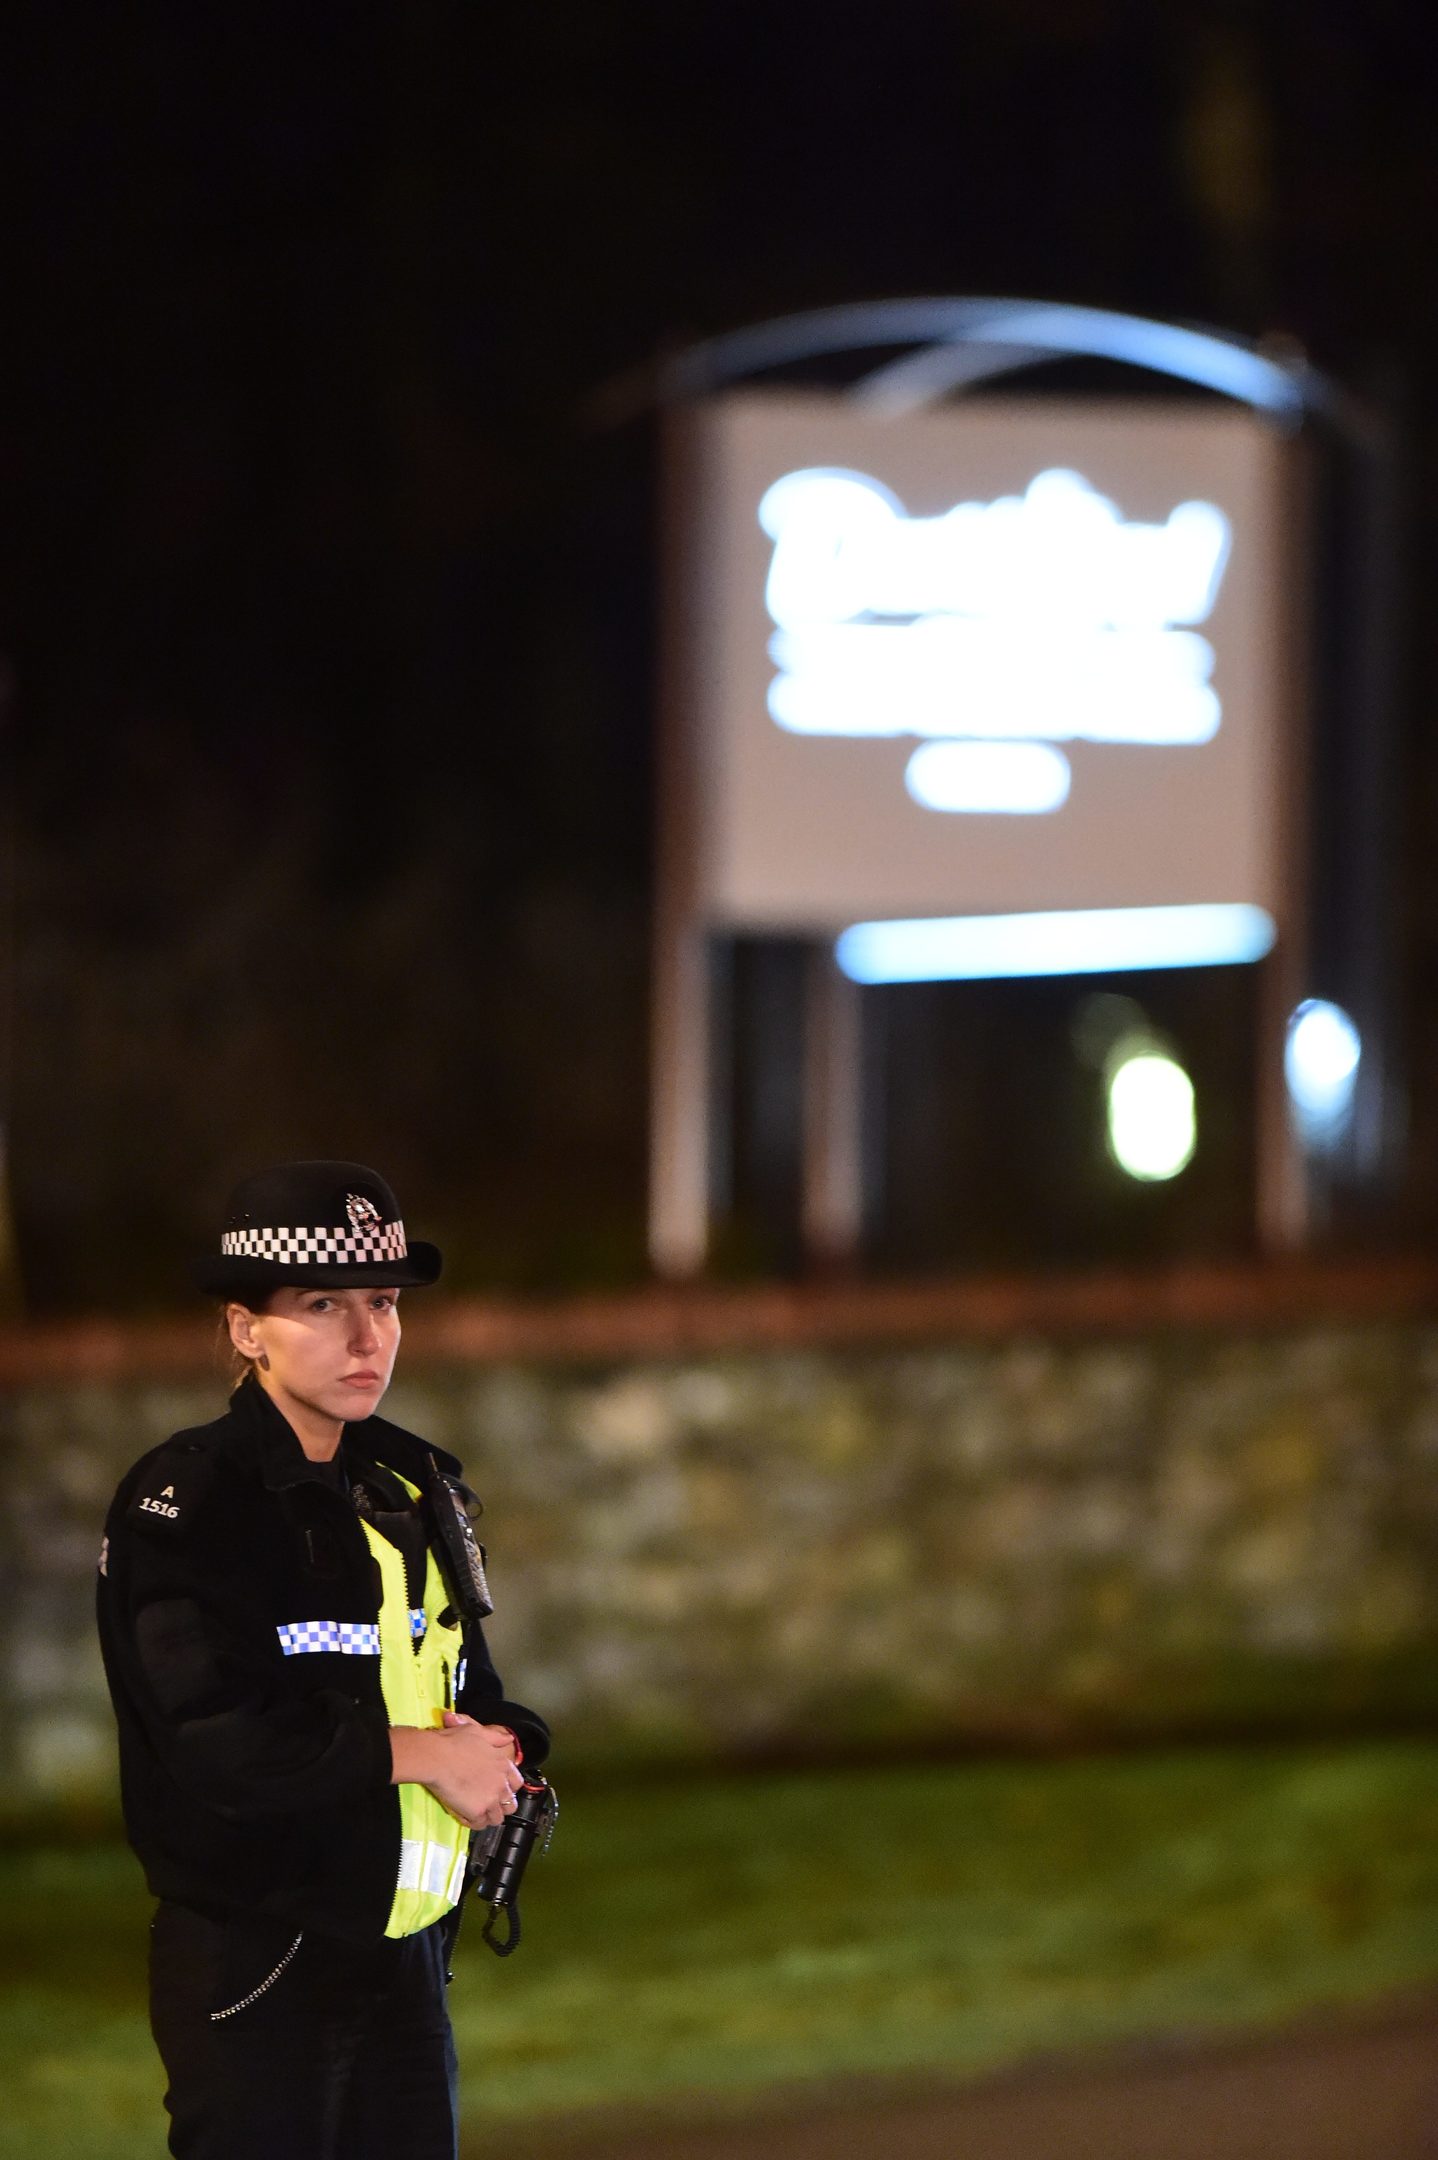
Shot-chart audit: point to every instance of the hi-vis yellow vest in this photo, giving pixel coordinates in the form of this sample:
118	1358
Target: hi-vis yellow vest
419	1661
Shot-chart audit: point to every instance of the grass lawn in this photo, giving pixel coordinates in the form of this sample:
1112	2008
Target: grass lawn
691	1944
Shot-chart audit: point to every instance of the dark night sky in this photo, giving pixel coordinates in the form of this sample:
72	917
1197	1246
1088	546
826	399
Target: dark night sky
328	603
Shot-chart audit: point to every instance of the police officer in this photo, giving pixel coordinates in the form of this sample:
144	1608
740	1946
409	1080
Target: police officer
309	1725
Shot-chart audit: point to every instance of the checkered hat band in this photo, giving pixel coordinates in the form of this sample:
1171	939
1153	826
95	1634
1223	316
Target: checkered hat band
296	1248
352	1638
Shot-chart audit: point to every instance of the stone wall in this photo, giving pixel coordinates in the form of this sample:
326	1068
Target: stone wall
815	1549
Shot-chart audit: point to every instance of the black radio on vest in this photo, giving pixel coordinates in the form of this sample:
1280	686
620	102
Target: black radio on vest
459	1550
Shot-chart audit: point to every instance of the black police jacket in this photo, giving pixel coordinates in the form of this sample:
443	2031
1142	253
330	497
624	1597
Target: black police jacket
252	1781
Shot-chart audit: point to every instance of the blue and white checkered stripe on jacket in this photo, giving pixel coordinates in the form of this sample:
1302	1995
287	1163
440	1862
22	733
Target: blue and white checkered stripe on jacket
352	1638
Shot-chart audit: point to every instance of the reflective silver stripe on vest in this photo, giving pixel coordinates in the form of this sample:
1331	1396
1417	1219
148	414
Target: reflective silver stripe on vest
423	1866
352	1638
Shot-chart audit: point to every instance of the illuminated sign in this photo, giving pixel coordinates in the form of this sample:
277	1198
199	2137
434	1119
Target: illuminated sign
999	659
1037	615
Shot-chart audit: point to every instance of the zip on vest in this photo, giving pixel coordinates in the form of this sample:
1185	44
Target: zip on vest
419	1657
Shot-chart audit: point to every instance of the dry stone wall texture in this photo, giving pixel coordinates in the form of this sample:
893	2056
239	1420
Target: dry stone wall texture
821	1551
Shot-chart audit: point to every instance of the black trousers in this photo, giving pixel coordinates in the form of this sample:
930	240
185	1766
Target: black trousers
347	2054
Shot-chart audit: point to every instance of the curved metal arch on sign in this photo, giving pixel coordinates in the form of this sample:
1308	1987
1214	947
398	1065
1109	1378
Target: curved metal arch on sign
961	342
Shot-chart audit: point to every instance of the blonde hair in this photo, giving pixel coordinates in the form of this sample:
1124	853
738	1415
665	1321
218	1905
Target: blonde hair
232	1360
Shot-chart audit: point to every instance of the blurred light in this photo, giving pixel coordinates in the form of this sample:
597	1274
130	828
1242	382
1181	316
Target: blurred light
1021	779
946	676
844	547
968	948
895	625
1102	1019
1320	1062
1151	1125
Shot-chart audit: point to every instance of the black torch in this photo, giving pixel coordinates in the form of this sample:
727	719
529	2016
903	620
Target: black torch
501	1867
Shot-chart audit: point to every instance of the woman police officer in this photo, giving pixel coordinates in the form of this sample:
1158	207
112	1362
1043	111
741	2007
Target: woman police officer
308	1727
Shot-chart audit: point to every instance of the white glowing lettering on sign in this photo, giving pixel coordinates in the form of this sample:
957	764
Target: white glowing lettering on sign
1036	619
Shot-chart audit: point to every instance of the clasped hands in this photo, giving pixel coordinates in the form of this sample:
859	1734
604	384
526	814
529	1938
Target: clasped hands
470	1768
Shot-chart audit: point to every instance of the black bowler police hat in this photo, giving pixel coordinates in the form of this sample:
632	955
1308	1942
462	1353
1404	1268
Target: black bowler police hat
313	1226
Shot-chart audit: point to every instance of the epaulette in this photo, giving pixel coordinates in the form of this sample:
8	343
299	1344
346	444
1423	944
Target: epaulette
171	1486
